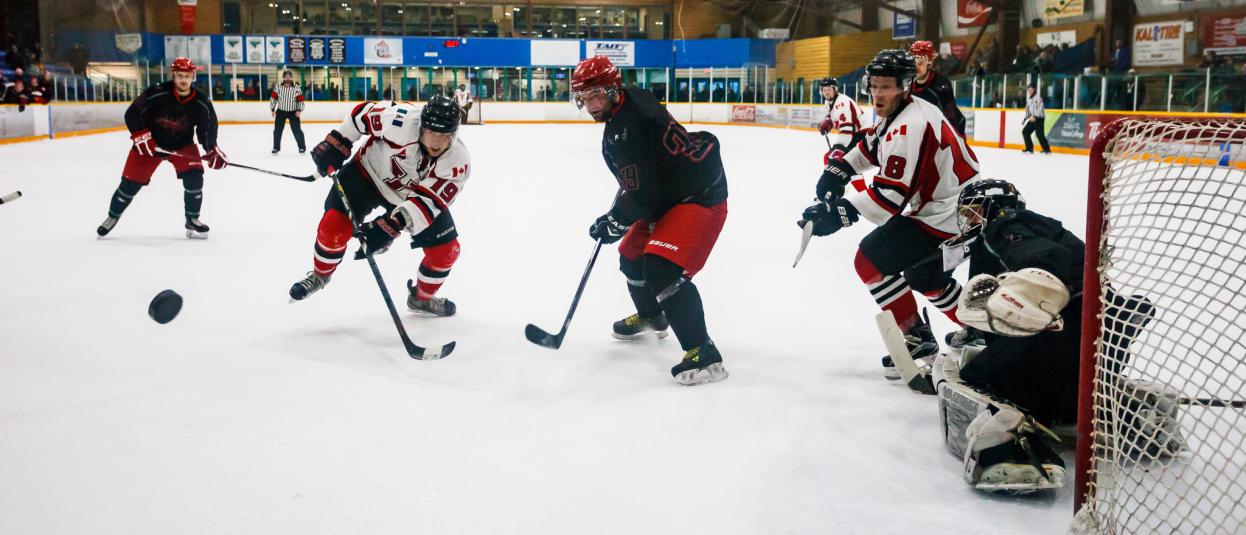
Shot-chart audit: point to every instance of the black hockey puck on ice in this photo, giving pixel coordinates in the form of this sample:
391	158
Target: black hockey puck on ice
165	306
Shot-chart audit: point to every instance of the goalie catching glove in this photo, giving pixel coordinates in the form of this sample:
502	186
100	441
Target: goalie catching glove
1021	303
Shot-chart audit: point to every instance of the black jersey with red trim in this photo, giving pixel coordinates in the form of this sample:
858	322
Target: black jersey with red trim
938	91
173	120
657	162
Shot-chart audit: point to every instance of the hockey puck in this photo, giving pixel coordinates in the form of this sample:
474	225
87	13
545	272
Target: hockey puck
165	306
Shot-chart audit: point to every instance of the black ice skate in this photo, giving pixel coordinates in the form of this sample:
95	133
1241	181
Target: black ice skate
968	336
309	285
921	344
195	229
634	326
106	226
701	364
437	306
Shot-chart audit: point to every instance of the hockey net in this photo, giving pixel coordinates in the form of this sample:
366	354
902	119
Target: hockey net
1162	427
474	113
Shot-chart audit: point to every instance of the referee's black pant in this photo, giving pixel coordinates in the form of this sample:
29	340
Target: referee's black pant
1035	126
296	126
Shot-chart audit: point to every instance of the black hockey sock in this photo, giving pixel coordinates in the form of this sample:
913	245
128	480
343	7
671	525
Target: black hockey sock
193	196
679	299
122	197
642	296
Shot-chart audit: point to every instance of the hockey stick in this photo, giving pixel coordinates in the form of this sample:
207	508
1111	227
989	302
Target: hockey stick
415	351
304	178
11	197
806	232
553	341
893	338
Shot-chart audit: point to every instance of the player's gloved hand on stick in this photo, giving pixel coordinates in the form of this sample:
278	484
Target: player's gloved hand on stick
375	236
607	229
836	175
837	152
143	143
216	158
330	153
828	217
825	127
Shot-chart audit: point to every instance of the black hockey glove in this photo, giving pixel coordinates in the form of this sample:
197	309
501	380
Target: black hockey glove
375	236
836	175
828	217
607	229
330	153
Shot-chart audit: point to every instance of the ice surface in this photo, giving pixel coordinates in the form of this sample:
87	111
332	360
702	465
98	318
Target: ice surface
247	414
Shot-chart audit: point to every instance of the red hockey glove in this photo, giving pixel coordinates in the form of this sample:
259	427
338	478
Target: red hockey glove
216	158
826	125
143	143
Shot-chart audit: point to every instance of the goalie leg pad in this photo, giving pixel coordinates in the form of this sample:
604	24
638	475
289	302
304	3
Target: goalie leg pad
1007	455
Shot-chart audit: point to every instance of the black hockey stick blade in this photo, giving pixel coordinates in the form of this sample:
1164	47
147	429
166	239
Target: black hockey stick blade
10	197
419	353
539	337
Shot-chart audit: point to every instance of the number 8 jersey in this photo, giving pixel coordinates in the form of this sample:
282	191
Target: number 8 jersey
658	163
392	158
922	163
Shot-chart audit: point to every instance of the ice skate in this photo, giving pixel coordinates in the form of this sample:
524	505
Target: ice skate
634	326
195	229
437	306
921	344
106	226
701	364
309	285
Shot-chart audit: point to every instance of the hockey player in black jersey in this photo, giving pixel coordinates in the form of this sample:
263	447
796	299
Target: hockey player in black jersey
1014	368
933	86
166	117
670	209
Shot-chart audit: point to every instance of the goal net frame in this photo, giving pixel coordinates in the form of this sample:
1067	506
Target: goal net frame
1146	174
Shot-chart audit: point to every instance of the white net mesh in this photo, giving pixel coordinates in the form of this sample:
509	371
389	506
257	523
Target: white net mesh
1169	449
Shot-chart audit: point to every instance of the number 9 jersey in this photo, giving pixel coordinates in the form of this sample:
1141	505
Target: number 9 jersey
421	186
658	163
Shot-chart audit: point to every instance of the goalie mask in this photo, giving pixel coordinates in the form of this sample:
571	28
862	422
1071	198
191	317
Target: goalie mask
981	202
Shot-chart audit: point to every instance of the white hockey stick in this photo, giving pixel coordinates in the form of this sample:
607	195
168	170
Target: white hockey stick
11	197
806	232
893	338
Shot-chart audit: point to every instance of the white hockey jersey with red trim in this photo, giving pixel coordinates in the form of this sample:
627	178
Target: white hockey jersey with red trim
922	163
391	156
845	117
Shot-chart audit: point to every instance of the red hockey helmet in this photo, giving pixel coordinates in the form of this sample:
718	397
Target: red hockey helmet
184	65
595	72
924	49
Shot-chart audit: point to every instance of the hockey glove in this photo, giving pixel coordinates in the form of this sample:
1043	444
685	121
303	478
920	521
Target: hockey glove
143	143
836	175
825	127
828	217
330	153
837	152
607	229
375	236
216	158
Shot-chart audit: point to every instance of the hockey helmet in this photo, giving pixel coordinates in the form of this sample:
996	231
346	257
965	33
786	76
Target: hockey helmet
183	65
924	49
893	63
981	201
829	81
594	74
441	115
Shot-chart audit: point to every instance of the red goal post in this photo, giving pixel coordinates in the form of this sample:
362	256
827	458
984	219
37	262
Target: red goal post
1161	429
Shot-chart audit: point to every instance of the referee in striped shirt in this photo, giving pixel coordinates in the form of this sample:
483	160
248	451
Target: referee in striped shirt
287	104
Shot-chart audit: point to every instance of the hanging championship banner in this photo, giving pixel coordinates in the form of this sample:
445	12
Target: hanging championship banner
199	49
337	50
297	50
186	10
275	49
174	47
315	48
233	48
128	42
255	48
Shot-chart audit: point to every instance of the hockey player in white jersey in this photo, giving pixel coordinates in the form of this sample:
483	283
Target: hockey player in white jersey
922	164
412	164
841	125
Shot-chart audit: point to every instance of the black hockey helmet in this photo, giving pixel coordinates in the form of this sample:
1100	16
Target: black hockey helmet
829	81
894	63
981	201
441	115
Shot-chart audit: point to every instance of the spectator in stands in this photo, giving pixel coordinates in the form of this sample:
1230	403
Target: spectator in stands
251	91
35	92
1120	57
1134	94
218	90
980	70
1024	60
78	57
16	94
1042	64
1210	60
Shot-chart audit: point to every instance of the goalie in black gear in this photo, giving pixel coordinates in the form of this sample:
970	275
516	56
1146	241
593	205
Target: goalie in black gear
1013	370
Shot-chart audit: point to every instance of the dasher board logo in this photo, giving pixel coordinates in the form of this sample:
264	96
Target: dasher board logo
743	113
382	50
620	53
